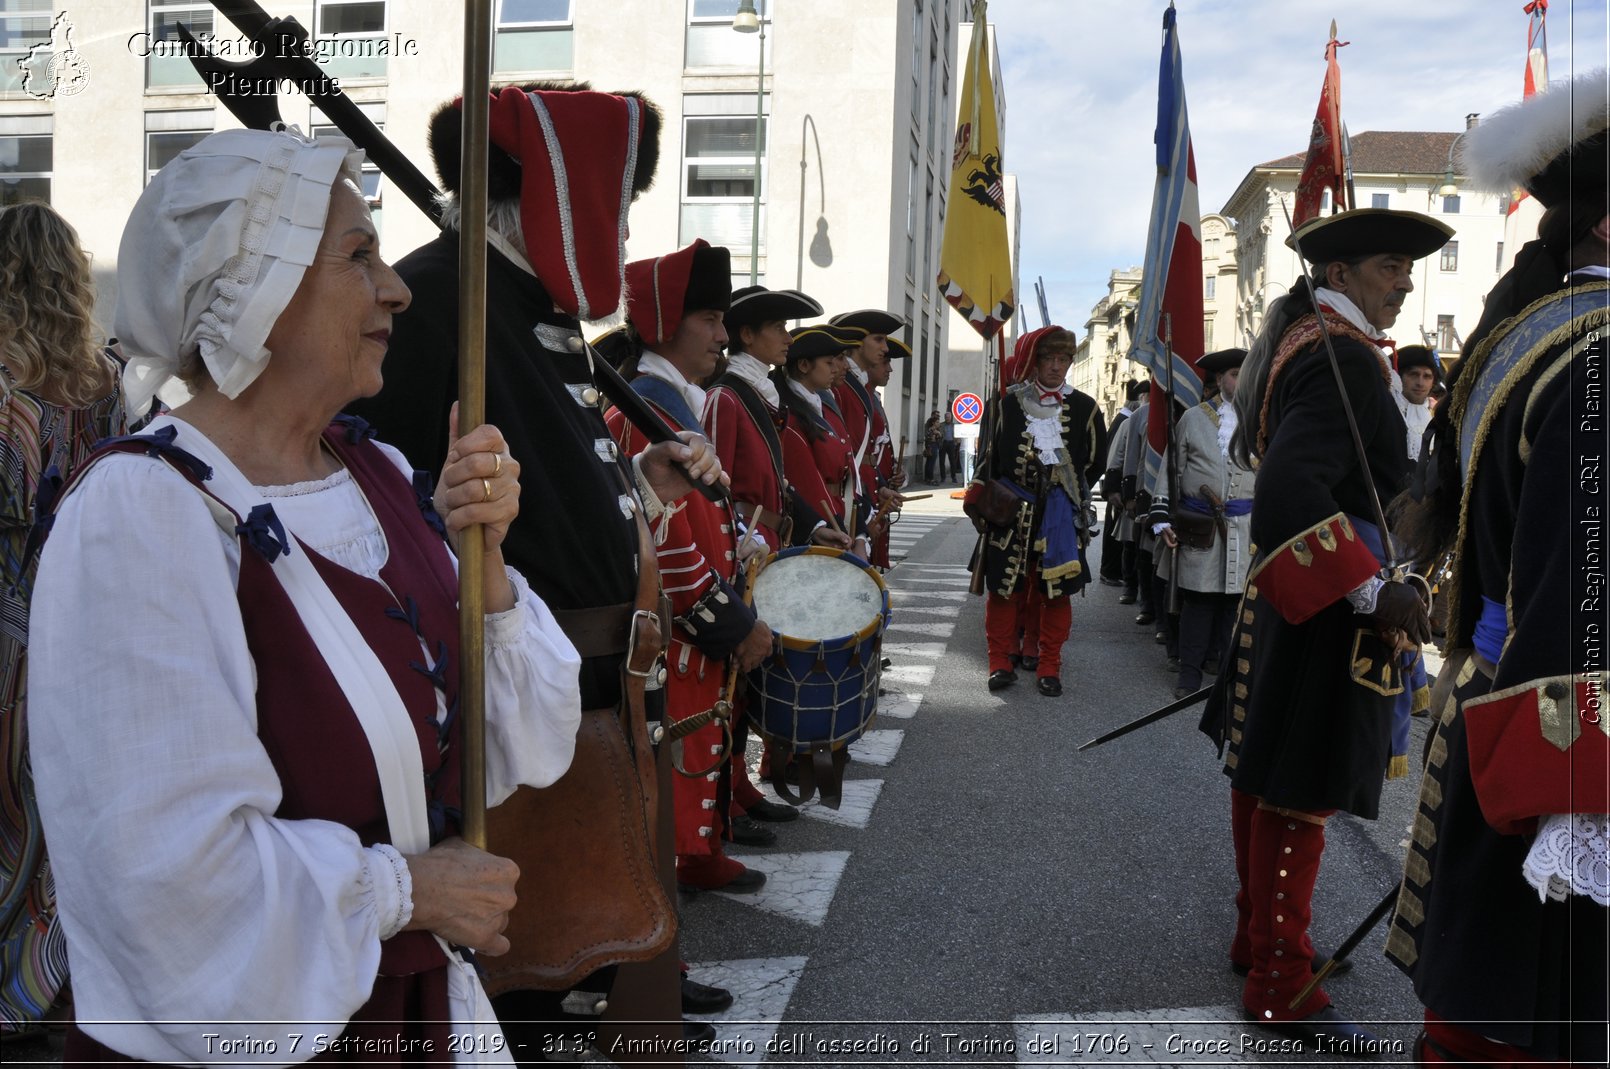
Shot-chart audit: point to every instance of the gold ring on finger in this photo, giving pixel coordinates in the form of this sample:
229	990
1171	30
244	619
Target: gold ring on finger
486	489
497	465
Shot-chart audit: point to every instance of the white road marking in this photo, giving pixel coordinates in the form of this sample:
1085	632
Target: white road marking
798	886
761	988
877	747
917	675
855	807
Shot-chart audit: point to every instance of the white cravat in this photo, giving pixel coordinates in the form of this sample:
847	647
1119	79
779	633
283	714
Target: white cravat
816	402
757	374
860	375
1228	421
652	363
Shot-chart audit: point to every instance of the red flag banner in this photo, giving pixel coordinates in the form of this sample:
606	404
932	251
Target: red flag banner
1324	167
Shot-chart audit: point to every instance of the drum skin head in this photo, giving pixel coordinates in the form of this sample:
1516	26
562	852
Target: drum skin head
818	597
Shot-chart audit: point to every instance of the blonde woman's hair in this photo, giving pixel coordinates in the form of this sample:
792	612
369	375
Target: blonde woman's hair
48	338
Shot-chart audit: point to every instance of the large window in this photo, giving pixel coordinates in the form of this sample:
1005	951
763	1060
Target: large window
165	66
719	135
1450	256
1210	285
1450	205
23	24
351	38
1380	200
911	218
168	133
26	157
534	35
1498	261
712	42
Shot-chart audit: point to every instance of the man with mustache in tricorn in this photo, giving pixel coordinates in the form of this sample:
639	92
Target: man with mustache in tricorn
1307	703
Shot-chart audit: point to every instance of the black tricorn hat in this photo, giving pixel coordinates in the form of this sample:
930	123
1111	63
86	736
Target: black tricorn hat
503	170
1361	232
1223	360
822	339
871	320
1418	356
898	350
753	305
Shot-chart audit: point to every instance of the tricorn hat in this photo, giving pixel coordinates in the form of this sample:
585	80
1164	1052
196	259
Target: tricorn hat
822	339
1554	144
661	291
1223	360
871	320
1361	232
898	350
753	305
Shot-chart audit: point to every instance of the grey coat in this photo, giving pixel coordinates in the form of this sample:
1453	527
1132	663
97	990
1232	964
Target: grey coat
1199	463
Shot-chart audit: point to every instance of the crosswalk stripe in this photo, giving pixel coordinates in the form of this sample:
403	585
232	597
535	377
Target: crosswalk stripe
899	706
939	595
914	649
877	747
947	611
798	886
761	988
940	630
916	675
855	805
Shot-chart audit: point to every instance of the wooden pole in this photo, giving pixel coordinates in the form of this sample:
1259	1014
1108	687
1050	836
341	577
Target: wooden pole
472	405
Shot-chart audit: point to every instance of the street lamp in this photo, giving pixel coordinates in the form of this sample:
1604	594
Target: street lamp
747	20
1449	187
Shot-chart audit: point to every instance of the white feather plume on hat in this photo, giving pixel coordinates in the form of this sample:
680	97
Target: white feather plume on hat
1516	143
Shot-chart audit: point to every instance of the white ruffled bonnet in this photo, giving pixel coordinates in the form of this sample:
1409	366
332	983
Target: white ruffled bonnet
214	250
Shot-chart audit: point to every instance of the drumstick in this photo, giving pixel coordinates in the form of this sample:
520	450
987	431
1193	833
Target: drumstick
827	514
915	497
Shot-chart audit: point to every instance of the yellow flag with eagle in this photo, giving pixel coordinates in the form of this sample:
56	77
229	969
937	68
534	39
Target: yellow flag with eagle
975	260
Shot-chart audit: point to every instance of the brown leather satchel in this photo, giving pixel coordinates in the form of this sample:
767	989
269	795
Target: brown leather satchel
590	889
1194	529
996	505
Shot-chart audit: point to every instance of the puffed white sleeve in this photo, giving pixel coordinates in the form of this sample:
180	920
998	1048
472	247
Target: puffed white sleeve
183	898
533	688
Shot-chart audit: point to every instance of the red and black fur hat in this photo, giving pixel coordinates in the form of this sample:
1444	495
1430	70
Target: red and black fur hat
575	159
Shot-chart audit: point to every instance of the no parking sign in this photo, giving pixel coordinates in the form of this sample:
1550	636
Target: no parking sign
967	408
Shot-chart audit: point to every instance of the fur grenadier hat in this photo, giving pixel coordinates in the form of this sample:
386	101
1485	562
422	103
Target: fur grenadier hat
1418	356
661	291
575	159
1020	365
1554	144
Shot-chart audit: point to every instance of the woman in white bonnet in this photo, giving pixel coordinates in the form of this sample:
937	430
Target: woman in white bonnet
250	782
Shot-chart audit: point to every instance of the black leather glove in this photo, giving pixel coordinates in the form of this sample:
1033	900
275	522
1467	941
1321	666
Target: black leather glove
1398	608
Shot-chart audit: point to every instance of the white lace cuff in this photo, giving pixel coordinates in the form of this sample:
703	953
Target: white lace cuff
652	505
1362	597
393	887
1571	856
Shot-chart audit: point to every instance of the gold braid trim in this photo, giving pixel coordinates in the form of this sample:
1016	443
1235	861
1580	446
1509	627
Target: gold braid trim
1594	317
1300	335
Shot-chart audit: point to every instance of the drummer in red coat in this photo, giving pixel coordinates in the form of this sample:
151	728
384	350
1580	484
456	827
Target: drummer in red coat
744	418
817	456
863	413
675	311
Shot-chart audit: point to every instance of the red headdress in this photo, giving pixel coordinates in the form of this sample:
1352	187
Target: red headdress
661	291
1019	367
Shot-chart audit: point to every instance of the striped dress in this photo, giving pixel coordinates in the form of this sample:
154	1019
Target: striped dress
37	438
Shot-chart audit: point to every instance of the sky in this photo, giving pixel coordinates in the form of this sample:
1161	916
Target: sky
1080	80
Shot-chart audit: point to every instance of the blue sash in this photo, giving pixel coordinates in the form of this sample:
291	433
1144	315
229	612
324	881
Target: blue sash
669	399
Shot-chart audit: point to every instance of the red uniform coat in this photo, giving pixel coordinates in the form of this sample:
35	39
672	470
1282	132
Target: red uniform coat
757	481
869	437
696	547
806	460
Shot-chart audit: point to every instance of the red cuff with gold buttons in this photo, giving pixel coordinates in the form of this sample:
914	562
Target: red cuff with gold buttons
1315	569
1539	748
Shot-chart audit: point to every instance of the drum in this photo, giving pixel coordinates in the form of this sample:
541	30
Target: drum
828	609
